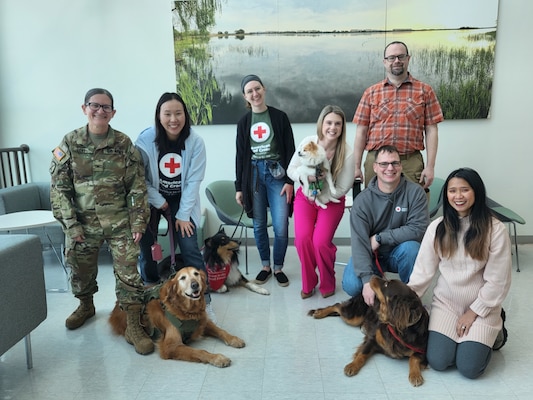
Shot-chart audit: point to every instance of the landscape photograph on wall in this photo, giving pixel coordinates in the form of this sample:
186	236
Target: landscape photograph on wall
310	53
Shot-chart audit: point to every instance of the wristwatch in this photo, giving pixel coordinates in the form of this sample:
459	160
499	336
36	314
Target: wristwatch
378	238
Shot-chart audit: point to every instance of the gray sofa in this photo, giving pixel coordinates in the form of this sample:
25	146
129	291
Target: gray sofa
27	197
22	291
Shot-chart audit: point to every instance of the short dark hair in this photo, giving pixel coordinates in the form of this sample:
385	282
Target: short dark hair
91	92
388	148
395	42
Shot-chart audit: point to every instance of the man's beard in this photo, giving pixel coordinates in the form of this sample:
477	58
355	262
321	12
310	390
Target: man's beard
397	70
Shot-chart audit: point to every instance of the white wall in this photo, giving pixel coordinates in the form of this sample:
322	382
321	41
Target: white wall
52	52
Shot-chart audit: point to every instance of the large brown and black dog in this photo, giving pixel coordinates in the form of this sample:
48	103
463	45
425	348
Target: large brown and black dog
178	316
396	325
222	264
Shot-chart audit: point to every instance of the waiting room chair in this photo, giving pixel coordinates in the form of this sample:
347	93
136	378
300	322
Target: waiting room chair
435	196
221	194
508	216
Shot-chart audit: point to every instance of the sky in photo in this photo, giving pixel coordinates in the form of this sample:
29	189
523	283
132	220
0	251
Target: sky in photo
288	15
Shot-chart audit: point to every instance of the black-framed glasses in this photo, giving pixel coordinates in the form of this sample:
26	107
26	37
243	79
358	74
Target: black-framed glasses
400	57
96	106
385	165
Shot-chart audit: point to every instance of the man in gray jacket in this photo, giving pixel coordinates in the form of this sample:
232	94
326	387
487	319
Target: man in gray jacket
388	220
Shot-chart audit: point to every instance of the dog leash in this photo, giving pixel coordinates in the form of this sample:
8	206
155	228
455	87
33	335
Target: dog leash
399	339
378	265
168	217
238	223
153	226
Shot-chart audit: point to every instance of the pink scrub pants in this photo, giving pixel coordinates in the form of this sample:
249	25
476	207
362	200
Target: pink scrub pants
314	228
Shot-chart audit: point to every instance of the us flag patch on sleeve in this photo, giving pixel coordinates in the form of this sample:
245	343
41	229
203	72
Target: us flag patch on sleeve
58	153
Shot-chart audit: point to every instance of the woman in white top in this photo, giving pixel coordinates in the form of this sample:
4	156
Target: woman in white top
315	226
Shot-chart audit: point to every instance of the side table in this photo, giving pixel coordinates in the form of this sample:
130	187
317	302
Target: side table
24	220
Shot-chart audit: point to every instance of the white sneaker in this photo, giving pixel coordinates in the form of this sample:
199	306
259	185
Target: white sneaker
210	313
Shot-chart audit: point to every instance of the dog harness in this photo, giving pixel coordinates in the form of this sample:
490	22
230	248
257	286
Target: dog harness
315	188
186	328
217	275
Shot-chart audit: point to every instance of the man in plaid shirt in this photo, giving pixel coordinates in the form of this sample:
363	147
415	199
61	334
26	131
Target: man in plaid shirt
400	111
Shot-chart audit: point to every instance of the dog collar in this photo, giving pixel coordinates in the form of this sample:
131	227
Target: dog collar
399	339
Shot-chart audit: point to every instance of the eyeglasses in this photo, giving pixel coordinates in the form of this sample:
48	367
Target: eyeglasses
96	106
385	165
400	57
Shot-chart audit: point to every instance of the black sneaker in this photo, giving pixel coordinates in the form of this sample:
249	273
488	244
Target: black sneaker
501	339
282	278
263	276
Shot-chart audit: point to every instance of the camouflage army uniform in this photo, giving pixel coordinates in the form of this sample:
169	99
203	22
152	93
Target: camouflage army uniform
99	191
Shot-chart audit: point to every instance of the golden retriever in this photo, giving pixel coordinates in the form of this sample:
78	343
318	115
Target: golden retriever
178	316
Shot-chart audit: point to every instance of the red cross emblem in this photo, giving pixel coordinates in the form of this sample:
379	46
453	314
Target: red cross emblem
260	132
170	165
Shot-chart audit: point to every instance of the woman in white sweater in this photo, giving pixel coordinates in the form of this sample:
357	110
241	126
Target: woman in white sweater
472	252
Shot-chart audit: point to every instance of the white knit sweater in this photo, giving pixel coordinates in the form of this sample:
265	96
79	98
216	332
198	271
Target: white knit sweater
465	283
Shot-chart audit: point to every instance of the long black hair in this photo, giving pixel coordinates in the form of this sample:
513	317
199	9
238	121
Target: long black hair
161	139
477	237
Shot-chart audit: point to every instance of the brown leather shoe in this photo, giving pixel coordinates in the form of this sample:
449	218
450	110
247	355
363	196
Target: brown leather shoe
304	295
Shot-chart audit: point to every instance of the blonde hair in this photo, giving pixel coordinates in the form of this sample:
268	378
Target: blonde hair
340	148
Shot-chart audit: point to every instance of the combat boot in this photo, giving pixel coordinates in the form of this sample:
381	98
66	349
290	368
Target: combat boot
84	311
135	333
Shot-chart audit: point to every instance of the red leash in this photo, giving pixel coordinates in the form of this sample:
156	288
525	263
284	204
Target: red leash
378	264
391	329
399	339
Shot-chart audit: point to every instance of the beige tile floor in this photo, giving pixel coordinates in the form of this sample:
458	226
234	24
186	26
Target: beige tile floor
288	354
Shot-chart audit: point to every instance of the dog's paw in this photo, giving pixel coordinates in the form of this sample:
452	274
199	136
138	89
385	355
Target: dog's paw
320	204
416	379
352	369
220	361
236	342
256	288
223	289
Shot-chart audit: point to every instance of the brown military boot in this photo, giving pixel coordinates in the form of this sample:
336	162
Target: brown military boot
84	311
135	333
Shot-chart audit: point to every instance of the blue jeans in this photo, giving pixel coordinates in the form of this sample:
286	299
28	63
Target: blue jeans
266	193
189	250
400	260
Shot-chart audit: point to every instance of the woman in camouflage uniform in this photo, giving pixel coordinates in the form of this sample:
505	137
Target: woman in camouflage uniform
98	194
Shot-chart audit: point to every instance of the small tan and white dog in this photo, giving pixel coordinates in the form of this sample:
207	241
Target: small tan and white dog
315	163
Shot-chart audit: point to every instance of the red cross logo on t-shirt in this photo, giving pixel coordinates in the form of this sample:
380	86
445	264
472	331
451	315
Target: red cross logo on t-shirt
260	132
170	165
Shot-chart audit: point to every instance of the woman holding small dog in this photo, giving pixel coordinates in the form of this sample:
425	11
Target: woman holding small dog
174	161
315	225
265	144
470	250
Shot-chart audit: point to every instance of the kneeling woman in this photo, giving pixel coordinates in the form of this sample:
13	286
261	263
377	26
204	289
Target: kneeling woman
472	252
